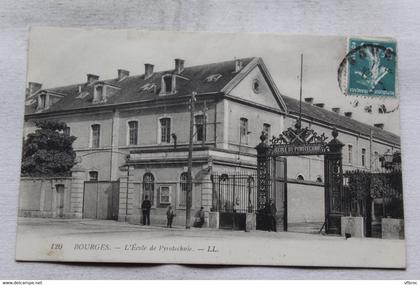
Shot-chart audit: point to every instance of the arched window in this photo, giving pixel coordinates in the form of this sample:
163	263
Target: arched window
149	187
183	186
300	177
133	128
319	179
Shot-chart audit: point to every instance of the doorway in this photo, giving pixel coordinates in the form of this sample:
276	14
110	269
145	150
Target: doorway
60	200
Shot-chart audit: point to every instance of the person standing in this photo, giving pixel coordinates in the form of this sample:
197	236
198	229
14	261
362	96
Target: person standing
170	214
200	218
272	216
145	207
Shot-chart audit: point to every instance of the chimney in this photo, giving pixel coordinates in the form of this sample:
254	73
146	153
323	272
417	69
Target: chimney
379	125
92	78
309	100
320	105
148	70
348	114
123	74
238	65
336	110
33	87
179	65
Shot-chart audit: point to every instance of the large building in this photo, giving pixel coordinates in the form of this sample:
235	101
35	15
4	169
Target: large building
135	130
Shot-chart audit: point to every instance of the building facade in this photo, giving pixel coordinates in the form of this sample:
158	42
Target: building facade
134	129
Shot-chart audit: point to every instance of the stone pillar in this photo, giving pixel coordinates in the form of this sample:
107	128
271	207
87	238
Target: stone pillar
214	220
206	197
122	209
130	194
251	222
77	190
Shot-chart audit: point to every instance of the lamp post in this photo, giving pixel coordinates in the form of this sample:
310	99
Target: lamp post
189	172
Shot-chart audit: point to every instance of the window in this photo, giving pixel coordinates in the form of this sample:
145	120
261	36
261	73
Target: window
300	177
96	132
149	187
200	128
66	131
256	86
42	103
267	130
93	175
99	90
133	132
165	194
319	179
165	130
350	158
363	156
376	160
167	85
243	138
183	183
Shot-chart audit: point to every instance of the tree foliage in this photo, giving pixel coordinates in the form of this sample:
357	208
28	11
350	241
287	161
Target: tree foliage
48	151
362	187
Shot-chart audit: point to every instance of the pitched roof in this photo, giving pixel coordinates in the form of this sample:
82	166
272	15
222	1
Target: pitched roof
130	90
131	86
332	118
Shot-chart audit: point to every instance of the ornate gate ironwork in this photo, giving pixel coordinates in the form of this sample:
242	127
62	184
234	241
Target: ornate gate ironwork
234	195
294	142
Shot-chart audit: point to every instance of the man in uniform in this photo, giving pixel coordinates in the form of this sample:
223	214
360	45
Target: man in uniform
145	207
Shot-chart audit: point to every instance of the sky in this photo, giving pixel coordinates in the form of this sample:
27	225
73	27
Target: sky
63	56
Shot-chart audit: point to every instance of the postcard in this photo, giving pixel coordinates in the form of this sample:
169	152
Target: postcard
206	148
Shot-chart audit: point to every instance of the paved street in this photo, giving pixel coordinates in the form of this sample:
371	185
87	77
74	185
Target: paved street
111	241
92	228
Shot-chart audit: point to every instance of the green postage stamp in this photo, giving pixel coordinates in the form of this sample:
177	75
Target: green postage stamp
371	68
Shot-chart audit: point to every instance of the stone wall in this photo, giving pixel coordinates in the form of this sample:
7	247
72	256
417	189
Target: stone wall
39	197
51	197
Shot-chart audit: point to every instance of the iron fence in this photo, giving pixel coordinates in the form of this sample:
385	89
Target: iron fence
234	193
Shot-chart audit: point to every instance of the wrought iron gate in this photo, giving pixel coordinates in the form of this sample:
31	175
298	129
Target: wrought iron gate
271	173
275	185
234	195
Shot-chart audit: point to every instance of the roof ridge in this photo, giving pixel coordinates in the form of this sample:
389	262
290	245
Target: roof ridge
155	72
344	117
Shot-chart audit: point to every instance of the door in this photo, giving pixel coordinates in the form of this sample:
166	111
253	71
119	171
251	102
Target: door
101	200
60	200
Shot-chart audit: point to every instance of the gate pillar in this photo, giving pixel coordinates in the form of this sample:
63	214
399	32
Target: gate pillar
263	171
333	172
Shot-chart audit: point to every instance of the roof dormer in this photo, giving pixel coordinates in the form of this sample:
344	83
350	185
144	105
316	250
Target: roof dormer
168	84
102	91
43	101
99	93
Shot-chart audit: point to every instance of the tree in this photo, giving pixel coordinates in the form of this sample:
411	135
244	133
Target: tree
48	151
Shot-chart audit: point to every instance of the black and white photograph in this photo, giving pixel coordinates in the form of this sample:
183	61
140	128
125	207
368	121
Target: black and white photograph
211	148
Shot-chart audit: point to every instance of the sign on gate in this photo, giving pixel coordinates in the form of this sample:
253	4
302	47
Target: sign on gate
305	149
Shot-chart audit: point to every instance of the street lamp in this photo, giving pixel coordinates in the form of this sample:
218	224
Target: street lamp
387	159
